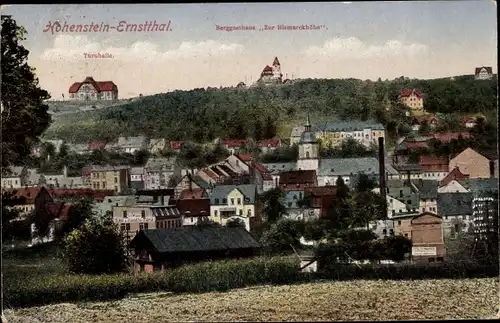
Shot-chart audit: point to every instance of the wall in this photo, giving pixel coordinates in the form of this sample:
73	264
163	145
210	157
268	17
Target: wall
452	187
242	210
471	163
134	218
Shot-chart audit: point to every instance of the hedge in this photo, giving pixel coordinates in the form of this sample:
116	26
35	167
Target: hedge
218	276
201	277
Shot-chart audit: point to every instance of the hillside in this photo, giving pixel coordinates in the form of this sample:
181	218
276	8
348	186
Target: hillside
203	115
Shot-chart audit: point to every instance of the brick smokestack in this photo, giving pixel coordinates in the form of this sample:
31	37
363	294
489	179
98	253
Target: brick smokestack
382	181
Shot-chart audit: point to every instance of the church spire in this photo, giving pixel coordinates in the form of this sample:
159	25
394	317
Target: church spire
308	123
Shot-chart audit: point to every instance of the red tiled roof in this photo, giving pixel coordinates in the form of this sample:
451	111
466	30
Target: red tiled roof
195	207
210	173
267	69
321	190
434	164
96	145
245	157
429	119
407	92
99	86
195	193
449	136
298	177
260	168
176	145
234	143
269	143
455	174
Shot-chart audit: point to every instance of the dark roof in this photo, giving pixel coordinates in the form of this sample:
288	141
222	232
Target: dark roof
408	167
192	238
426	213
427	189
194	207
452	204
228	170
298	177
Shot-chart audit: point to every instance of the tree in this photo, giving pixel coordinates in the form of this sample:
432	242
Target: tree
24	116
273	209
281	235
8	215
95	248
77	215
397	247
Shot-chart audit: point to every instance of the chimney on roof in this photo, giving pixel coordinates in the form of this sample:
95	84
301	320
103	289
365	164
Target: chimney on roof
65	171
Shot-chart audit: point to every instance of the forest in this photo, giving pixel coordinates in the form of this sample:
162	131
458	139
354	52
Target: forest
202	115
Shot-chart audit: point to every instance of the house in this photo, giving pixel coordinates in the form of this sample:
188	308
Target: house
447	137
89	89
234	145
137	178
383	228
468	122
475	164
427	191
434	168
235	203
297	180
275	169
319	200
408	144
269	145
194	211
240	162
427	236
131	144
59	213
105	206
483	73
193	193
156	145
30	199
451	184
189	182
14	177
176	145
264	178
484	205
413	99
427	119
409	171
131	219
402	223
61	180
331	169
456	210
167	248
161	173
116	178
406	192
364	132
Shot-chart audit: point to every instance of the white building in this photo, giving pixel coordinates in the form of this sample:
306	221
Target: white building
89	89
308	149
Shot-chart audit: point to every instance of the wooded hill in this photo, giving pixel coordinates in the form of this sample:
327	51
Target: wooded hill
202	115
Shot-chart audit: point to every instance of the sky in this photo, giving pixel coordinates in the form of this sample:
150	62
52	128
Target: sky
365	40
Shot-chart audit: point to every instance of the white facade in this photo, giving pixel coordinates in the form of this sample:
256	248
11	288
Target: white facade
435	176
332	180
452	187
308	156
11	182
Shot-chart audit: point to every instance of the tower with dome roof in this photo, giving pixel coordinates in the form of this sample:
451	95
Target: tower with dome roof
308	149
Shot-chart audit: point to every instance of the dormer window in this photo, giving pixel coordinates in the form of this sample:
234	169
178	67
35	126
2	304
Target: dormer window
224	201
216	201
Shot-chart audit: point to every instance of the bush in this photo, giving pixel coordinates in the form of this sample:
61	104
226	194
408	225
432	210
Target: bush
201	277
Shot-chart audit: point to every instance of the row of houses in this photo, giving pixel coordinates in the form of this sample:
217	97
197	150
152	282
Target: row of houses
155	146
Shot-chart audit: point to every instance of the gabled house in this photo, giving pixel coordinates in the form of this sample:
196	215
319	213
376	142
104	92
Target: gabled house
406	192
190	182
420	120
30	199
14	177
434	168
450	183
132	144
268	145
428	194
413	99
234	145
297	180
137	178
235	203
319	200
194	211
409	171
468	122
483	73
167	248
475	164
105	206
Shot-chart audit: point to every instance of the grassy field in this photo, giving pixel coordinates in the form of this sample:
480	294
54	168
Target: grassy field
330	301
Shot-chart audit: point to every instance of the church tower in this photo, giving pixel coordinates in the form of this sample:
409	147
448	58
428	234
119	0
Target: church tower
308	149
277	70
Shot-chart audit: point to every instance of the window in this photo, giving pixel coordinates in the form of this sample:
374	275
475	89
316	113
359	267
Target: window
116	180
192	219
216	202
224	201
215	212
406	235
145	226
124	214
307	154
232	201
249	212
122	227
241	212
399	222
239	201
127	226
400	193
143	214
384	232
103	185
391	232
97	185
141	226
116	188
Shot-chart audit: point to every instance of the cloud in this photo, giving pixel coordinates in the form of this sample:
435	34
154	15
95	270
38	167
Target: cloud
74	46
353	48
